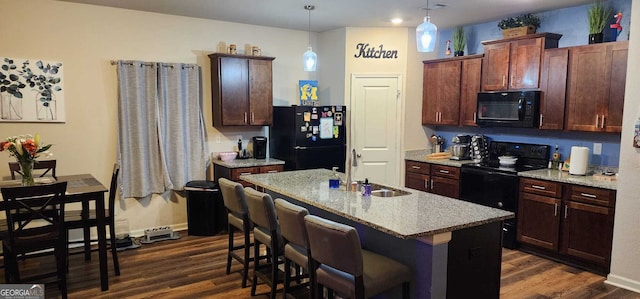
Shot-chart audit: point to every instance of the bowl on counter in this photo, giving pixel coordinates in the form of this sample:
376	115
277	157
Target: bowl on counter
227	156
508	160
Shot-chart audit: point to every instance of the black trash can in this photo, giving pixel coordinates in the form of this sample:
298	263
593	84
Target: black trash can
206	214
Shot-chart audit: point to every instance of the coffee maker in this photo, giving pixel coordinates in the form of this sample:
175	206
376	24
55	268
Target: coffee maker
260	147
461	147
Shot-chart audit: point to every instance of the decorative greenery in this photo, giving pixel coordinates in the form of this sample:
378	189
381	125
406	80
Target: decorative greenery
44	85
520	21
599	15
9	82
459	39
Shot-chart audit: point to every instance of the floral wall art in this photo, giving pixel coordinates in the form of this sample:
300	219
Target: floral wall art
31	90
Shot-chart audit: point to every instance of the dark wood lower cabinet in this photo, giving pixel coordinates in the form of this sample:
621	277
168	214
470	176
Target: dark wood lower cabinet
417	181
567	222
434	178
445	186
235	173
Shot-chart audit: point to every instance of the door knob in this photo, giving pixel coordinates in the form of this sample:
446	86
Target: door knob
358	155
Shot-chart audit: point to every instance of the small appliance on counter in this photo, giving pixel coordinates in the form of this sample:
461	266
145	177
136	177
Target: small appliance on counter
242	153
461	147
579	160
259	147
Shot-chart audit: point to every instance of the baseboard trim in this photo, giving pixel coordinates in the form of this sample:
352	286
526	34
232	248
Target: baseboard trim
623	282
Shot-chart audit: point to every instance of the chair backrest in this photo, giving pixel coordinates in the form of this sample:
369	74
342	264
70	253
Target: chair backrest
113	189
334	244
262	210
233	196
34	211
47	165
291	220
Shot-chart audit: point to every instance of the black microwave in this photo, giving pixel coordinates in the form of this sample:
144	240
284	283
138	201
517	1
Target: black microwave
520	109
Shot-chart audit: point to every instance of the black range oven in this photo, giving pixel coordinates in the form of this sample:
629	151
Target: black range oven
490	184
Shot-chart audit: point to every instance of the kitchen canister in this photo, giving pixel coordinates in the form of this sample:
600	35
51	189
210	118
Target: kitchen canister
579	160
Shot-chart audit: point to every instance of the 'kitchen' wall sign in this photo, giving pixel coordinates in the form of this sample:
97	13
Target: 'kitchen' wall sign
364	51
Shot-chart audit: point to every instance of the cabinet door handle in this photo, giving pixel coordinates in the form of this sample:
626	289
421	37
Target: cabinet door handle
602	122
444	171
555	209
431	184
436	116
512	80
597	119
474	117
245	117
588	195
504	79
541	118
415	167
245	173
566	211
272	171
253	117
426	184
538	187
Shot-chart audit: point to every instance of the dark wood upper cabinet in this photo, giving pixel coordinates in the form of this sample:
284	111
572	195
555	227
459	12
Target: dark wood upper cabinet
514	63
450	88
595	95
553	84
242	90
470	86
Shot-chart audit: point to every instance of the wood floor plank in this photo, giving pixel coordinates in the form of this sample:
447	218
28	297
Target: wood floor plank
195	267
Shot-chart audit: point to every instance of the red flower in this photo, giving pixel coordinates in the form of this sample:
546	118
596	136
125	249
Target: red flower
4	145
30	146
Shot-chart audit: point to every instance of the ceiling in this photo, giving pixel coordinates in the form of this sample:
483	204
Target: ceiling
332	14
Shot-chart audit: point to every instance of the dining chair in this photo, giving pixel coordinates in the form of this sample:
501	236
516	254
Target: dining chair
86	219
266	231
296	247
237	220
47	165
343	267
35	222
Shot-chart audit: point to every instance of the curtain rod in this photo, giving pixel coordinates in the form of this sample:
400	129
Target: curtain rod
115	62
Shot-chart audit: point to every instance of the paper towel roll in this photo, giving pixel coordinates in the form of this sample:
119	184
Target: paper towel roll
579	160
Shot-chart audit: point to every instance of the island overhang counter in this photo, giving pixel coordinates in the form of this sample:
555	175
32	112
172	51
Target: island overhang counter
450	245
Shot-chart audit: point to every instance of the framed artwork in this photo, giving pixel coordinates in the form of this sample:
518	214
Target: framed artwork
31	90
308	92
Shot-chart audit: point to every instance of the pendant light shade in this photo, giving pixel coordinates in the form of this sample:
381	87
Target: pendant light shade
309	58
426	34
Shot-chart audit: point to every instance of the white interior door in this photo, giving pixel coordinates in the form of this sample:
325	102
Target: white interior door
375	133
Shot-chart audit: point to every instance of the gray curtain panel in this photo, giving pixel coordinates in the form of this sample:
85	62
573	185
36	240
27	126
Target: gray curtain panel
181	125
161	139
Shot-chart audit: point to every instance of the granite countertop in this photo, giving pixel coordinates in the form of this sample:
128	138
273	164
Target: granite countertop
251	162
421	156
565	177
416	215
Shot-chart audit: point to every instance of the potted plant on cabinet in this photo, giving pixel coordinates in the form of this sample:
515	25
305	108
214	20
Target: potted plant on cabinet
521	25
599	15
459	41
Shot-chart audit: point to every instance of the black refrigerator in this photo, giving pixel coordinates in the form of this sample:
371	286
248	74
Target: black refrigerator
308	137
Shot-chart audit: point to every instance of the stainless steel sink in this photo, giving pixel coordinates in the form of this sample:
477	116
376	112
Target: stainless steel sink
384	191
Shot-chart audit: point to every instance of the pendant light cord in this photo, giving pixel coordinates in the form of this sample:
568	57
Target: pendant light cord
309	8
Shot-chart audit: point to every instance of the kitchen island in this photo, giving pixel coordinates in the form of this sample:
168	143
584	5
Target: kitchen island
452	246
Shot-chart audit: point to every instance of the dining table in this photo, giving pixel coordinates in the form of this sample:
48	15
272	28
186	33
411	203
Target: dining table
82	188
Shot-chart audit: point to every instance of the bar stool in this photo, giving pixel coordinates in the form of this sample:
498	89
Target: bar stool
296	248
347	269
266	230
238	220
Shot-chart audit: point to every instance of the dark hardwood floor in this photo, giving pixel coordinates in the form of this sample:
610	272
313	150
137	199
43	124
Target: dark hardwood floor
194	267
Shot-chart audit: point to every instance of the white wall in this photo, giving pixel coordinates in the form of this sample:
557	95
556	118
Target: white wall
625	260
331	61
86	37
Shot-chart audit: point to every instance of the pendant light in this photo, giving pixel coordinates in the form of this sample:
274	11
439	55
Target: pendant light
310	59
426	34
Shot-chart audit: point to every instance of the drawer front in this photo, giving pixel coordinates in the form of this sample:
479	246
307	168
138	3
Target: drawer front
237	172
445	171
545	188
271	168
417	167
591	195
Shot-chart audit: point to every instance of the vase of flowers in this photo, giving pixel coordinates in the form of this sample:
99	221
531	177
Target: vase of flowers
25	148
